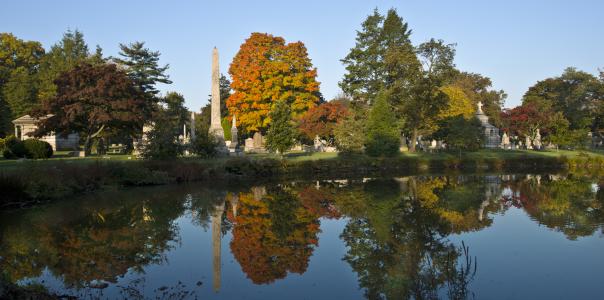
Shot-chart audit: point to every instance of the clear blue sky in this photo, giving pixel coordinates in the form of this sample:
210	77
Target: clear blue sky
515	43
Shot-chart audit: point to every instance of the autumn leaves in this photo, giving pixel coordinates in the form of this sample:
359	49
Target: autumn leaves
266	70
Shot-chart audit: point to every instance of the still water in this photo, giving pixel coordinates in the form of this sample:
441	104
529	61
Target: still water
424	237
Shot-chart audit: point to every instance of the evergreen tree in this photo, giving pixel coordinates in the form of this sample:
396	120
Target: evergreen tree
366	72
281	134
143	67
383	135
62	57
20	92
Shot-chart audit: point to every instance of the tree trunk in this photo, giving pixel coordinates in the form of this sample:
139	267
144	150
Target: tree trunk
413	140
87	144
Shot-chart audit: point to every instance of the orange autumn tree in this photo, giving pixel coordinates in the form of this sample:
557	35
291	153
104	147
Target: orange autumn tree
273	236
265	70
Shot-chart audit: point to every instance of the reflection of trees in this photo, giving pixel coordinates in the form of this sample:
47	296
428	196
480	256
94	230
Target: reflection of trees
397	238
567	204
272	235
97	241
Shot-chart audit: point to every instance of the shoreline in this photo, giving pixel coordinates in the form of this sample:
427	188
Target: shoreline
33	182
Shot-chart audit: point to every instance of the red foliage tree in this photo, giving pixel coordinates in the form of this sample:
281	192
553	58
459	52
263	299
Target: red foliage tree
91	99
322	119
524	120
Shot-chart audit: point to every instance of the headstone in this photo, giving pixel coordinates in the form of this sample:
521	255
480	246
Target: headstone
249	145
505	141
528	143
258	141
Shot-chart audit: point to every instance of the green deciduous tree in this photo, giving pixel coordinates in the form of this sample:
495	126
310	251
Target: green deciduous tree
175	111
478	89
282	133
349	133
19	64
383	134
427	99
460	133
577	94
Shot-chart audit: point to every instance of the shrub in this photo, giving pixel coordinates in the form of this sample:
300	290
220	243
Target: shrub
13	148
37	149
1	145
161	143
204	145
349	133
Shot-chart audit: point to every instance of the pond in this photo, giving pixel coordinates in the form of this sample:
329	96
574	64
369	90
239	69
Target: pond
534	236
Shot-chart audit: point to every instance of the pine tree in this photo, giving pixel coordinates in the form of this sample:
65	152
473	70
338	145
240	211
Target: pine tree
281	133
143	67
366	72
383	135
62	57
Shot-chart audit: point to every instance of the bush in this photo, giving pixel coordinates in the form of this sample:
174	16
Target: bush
1	145
161	143
204	145
37	149
349	133
13	148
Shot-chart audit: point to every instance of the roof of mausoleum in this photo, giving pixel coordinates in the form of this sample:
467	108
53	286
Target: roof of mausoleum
28	120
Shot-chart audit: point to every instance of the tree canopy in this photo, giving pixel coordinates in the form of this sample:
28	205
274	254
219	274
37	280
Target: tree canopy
91	99
143	67
321	120
366	71
267	70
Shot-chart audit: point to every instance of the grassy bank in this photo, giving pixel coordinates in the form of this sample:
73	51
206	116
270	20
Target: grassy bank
27	182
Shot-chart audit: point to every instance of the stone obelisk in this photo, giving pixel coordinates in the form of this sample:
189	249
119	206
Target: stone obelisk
215	124
216	244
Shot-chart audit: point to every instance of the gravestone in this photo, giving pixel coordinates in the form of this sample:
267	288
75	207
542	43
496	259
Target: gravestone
505	141
249	145
258	141
528	143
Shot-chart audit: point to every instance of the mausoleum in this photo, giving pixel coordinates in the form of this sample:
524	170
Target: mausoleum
491	133
27	124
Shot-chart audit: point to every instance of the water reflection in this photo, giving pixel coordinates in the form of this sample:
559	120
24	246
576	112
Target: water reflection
396	231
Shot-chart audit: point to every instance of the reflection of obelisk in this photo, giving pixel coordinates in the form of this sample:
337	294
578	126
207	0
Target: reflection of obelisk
215	123
216	236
